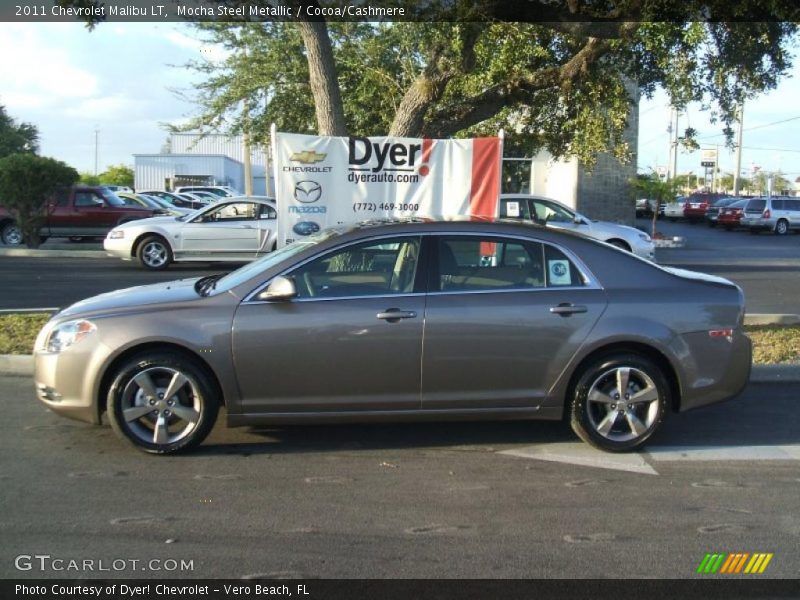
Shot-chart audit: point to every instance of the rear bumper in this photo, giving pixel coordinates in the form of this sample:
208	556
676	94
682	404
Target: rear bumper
720	371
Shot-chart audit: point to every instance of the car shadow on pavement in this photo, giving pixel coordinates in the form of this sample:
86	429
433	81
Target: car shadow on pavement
763	415
463	436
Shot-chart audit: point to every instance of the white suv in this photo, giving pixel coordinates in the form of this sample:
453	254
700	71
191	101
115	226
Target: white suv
552	213
777	214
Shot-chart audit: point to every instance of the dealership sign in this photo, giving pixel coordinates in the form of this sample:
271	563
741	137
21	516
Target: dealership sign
322	181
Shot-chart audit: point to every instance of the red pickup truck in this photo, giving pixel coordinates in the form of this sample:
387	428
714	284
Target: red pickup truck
77	213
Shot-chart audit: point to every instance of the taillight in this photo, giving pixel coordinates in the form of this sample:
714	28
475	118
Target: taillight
766	213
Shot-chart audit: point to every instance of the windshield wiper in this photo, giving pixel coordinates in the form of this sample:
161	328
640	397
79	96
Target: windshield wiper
205	285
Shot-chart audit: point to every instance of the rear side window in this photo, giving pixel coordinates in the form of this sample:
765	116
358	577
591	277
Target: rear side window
778	205
561	272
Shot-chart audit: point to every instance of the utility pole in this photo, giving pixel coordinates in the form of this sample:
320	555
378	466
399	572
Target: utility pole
96	132
670	174
738	171
675	145
248	167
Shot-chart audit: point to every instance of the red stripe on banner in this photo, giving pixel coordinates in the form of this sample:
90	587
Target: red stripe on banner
485	186
427	144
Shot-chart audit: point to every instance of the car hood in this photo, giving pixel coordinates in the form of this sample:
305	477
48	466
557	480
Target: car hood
167	220
168	292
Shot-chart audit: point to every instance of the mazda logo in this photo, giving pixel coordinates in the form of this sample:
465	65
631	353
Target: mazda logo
307	191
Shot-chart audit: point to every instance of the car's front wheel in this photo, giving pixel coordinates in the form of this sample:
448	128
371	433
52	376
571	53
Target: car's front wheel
11	234
620	244
162	403
154	253
619	401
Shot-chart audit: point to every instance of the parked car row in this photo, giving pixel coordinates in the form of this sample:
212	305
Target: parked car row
776	214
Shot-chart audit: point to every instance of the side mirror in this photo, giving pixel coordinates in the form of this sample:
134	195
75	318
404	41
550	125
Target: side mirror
281	288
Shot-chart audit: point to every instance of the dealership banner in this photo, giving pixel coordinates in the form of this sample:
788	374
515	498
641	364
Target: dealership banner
322	181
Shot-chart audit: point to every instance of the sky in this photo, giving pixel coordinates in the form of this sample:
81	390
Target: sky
114	86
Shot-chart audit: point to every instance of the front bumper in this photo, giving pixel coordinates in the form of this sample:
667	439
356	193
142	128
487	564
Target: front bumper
119	248
64	381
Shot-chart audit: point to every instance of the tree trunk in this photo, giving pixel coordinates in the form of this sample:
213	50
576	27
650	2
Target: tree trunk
323	79
409	119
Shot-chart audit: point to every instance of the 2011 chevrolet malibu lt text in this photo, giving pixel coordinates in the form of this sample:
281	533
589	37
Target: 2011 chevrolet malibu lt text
403	321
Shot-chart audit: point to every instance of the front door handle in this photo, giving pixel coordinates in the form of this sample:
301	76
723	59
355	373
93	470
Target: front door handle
566	309
245	227
393	315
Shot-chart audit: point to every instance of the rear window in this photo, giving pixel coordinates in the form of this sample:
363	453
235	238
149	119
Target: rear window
755	205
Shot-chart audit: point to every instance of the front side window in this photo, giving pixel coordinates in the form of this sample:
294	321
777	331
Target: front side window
373	268
233	211
553	213
87	199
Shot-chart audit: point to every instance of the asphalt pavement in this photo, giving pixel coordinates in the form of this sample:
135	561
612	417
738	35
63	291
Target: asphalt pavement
463	500
767	267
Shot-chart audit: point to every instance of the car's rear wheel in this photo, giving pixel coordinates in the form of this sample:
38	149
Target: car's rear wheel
782	227
162	403
619	401
11	234
154	253
754	231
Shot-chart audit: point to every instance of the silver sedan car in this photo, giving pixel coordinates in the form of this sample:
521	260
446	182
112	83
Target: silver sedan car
402	321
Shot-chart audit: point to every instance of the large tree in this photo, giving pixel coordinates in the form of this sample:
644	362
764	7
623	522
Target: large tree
28	183
556	75
16	137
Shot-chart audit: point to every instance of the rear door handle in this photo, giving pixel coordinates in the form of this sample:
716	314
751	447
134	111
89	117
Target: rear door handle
393	315
245	227
566	309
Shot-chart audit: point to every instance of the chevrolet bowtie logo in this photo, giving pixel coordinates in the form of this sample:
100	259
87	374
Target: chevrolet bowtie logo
308	157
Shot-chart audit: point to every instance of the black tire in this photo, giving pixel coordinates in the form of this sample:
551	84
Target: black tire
624	427
754	231
712	223
193	406
154	253
728	227
673	219
781	227
11	235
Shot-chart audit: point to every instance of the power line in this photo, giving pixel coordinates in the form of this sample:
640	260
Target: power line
706	137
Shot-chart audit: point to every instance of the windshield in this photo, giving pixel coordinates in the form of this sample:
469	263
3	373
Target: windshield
111	197
239	276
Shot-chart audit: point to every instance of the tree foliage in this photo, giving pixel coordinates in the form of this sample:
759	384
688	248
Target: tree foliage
117	175
16	137
565	87
561	76
652	187
28	182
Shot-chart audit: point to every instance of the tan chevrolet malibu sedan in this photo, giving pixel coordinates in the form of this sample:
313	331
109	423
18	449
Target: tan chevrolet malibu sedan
403	321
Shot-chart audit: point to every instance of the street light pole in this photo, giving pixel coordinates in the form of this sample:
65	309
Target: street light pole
737	172
96	132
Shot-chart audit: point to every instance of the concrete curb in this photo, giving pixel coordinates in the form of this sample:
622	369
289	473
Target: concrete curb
54	253
21	365
771	319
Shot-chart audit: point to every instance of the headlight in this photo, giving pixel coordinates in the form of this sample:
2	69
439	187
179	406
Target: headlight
644	237
116	234
66	334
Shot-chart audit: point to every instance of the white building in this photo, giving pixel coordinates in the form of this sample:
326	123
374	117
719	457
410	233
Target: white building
192	159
